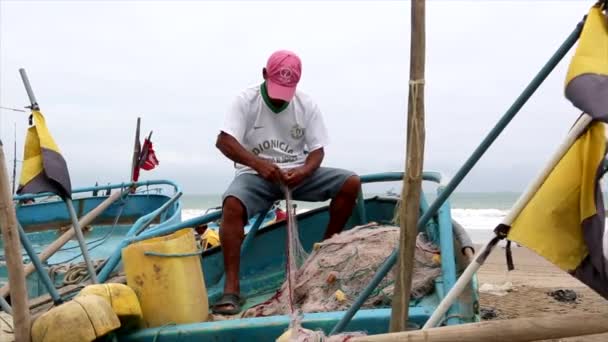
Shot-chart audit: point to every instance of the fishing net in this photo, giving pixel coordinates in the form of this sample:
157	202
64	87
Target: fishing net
337	271
339	268
296	258
296	255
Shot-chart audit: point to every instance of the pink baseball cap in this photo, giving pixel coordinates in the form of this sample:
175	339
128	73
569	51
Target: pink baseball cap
283	71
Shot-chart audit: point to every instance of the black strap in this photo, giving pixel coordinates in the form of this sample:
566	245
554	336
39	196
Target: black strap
509	256
501	231
481	258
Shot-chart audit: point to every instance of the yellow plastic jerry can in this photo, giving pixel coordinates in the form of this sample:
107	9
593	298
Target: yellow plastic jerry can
167	277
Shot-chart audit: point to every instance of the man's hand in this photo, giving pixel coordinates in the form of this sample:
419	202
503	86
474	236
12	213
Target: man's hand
269	171
295	176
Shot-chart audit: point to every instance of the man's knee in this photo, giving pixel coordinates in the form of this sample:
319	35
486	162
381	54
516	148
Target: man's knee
233	210
351	187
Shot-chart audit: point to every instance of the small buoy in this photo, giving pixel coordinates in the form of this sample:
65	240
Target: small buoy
211	238
340	296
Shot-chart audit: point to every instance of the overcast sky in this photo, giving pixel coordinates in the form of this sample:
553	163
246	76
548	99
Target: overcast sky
96	66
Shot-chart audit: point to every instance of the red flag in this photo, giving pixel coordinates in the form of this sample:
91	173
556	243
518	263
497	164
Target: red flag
147	158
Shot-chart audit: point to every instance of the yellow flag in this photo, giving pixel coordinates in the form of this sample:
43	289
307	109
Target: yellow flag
44	169
551	223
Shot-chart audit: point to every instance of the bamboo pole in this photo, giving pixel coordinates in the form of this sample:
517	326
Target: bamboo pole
12	251
412	182
511	330
67	236
14	160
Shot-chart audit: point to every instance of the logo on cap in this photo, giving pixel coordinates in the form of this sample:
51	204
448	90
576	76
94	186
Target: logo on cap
285	75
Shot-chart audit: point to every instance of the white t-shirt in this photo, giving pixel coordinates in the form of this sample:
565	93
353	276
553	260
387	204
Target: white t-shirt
280	137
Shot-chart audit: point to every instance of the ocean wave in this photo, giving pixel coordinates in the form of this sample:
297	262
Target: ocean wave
470	218
466	212
192	213
486	219
479	222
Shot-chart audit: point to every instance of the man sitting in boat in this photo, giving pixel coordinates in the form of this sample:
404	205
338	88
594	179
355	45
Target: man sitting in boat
266	133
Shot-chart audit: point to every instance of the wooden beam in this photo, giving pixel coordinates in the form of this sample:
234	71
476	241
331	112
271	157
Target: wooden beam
412	181
511	330
14	261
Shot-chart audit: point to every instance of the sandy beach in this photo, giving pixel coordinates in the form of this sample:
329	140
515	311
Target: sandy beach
532	281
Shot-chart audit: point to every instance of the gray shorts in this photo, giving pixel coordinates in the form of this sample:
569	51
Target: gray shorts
258	194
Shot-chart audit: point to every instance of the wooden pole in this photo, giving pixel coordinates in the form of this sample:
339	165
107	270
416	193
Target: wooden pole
136	150
511	330
412	182
14	160
12	251
67	236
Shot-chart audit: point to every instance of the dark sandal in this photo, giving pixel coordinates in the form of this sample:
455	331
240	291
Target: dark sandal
233	299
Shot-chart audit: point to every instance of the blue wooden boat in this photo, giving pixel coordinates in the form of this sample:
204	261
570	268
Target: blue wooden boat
263	272
47	217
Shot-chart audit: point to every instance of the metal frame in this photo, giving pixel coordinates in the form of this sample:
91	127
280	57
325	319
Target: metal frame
176	188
